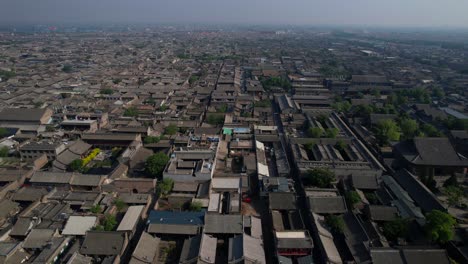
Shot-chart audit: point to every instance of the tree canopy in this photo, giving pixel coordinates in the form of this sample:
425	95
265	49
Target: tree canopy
4	152
336	223
131	111
314	132
395	229
409	128
319	177
387	130
440	226
155	164
171	130
165	186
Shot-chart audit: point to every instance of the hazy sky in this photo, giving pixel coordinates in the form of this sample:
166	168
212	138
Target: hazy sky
440	13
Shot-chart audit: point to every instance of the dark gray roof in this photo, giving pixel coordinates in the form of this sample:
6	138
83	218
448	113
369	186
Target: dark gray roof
386	256
107	136
54	245
382	213
173	229
369	79
235	249
48	177
6	248
22	114
418	191
21	227
6	206
223	224
86	180
29	194
282	201
365	181
426	256
38	238
327	205
436	151
103	243
429	151
295	243
190	250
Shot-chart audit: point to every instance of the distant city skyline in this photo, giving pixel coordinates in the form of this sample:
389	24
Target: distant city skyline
377	13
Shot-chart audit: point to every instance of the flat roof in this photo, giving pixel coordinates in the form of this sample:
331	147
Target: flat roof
79	225
131	218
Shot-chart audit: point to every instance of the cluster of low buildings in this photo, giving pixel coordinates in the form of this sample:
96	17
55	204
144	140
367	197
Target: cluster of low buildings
241	131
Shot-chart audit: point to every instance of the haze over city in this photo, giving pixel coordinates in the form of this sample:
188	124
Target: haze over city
395	13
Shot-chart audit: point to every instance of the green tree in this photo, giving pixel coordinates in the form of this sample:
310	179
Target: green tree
163	108
4	152
110	222
263	103
117	80
76	165
315	132
96	209
331	132
223	108
409	128
309	146
171	130
195	206
319	177
440	226
3	132
165	186
395	229
344	106
375	92
430	130
454	195
340	145
214	119
151	139
106	91
438	93
131	111
352	197
364	110
67	68
5	75
336	223
119	204
155	164
387	130
193	79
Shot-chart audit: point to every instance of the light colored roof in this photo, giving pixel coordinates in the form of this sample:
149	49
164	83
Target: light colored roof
208	248
131	218
263	170
213	205
253	249
146	249
290	234
256	229
79	225
226	183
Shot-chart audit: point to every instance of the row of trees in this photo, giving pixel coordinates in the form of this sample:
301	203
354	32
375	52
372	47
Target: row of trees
317	132
403	128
